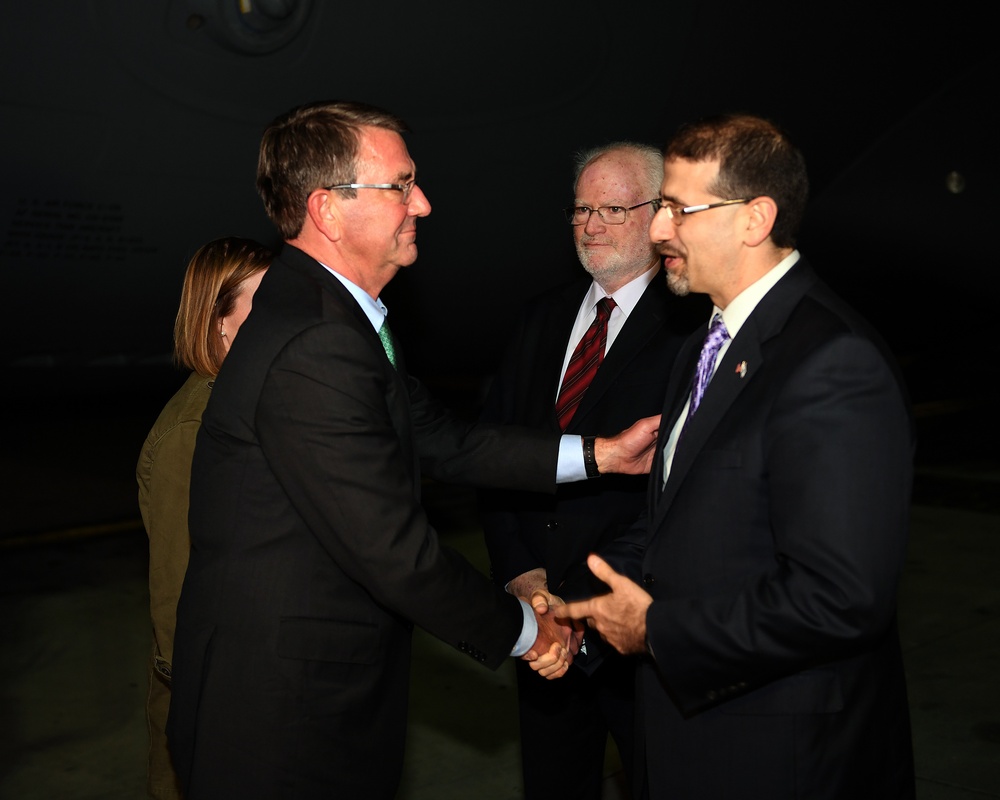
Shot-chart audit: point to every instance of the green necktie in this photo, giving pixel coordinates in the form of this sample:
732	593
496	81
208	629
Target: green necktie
387	342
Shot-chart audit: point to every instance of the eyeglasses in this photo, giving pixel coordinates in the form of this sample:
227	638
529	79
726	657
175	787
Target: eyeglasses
610	215
677	213
405	188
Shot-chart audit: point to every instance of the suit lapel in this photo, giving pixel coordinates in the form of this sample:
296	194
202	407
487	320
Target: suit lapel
673	404
738	368
728	382
338	303
550	341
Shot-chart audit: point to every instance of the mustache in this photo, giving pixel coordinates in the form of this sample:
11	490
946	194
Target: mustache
667	250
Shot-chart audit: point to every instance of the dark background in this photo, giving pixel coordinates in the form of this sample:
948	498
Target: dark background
131	129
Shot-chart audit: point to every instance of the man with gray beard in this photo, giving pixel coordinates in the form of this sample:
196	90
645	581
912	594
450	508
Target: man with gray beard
625	327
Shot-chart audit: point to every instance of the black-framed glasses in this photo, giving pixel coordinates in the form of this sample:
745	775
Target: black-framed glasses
405	188
610	215
677	213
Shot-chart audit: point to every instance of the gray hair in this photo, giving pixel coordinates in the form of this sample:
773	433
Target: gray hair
651	158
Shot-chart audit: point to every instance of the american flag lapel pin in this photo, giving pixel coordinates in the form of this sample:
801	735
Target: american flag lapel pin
741	369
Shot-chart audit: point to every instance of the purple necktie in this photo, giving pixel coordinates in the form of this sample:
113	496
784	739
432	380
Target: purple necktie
717	336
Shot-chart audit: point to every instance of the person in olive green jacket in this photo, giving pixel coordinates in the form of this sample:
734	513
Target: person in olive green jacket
215	300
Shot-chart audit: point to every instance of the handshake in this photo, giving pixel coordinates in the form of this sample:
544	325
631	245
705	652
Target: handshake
558	638
618	616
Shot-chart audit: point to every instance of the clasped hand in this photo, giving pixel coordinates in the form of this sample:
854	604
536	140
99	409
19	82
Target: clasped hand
558	639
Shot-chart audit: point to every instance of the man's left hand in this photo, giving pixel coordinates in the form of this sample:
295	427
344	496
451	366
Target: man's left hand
620	616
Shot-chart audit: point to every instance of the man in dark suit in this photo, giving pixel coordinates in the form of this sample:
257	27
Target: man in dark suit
761	596
311	555
534	539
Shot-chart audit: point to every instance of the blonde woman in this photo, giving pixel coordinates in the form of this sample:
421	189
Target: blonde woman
216	298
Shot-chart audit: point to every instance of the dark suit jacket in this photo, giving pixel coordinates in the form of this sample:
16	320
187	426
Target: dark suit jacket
523	530
773	555
312	556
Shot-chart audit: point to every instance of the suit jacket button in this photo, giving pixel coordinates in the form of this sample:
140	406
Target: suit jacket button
648	579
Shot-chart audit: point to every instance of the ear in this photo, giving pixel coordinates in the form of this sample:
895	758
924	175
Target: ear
323	211
224	334
761	214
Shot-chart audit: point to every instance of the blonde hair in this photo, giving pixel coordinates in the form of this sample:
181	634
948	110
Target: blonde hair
212	282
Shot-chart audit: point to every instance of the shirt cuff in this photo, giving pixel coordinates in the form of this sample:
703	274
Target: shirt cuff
570	467
529	631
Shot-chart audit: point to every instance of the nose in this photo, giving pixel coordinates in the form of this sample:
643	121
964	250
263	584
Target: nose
419	205
662	228
594	223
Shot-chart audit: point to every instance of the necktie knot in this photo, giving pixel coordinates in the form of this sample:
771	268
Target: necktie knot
717	334
604	307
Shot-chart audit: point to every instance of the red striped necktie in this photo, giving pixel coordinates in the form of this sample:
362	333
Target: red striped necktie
583	364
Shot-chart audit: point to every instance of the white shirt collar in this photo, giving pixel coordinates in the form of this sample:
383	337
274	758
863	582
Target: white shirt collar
375	310
627	297
742	306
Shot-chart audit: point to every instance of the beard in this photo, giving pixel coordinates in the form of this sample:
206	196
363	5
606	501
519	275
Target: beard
615	266
678	282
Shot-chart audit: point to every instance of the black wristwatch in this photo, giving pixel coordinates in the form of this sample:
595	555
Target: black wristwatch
589	458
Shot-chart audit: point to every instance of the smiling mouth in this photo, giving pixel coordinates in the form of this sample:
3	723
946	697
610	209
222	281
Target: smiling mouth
670	257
